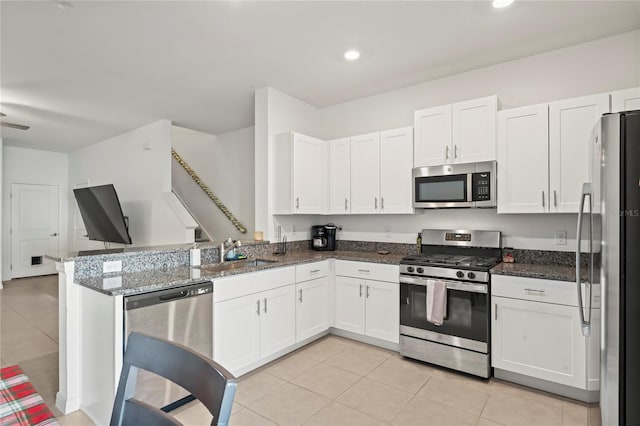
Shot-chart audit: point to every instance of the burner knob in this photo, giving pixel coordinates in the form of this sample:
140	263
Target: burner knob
460	274
420	270
471	275
409	268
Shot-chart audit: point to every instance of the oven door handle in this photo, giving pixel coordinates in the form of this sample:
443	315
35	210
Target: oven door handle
451	285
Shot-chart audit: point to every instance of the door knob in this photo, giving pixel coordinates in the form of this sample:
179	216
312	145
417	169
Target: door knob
55	234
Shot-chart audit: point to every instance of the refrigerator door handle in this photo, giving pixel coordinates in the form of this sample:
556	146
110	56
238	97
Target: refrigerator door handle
586	192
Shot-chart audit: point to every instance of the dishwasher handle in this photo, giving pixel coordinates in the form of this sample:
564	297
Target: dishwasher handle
178	295
168	295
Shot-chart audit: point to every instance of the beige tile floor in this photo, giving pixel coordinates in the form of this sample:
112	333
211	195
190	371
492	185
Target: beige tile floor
333	381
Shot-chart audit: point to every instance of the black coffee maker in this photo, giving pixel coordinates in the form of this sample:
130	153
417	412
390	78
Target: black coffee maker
323	237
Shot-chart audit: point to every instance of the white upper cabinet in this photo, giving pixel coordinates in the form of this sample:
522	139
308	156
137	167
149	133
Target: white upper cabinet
523	159
474	130
365	173
381	166
340	176
571	137
625	100
462	132
546	152
300	174
396	162
433	136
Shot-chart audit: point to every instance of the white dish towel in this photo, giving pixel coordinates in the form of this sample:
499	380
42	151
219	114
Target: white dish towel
436	301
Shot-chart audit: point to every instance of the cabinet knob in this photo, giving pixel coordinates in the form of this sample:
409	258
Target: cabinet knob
455	151
446	152
297	202
375	203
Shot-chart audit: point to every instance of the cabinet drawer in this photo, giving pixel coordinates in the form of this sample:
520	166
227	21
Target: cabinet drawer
539	290
253	282
365	270
310	271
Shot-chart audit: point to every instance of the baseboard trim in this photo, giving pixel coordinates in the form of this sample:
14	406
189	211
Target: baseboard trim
65	405
365	339
543	385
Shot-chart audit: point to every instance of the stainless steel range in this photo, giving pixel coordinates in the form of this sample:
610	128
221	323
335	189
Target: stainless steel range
460	260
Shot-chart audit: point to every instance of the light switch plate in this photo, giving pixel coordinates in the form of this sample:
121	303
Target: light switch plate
113	266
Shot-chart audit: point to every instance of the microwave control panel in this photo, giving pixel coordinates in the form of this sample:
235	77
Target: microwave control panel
481	186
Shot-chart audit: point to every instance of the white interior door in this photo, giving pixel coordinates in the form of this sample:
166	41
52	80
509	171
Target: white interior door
34	229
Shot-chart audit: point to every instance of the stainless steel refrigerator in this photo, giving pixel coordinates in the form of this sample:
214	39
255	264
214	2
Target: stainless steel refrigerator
620	271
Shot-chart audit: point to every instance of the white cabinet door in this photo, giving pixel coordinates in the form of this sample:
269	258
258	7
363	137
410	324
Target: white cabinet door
277	320
382	317
523	160
474	130
365	173
432	143
312	308
396	161
339	176
309	174
625	100
236	332
540	340
350	304
571	126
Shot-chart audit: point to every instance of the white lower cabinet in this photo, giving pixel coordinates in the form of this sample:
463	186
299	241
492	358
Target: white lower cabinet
536	332
254	318
237	333
312	299
350	311
366	306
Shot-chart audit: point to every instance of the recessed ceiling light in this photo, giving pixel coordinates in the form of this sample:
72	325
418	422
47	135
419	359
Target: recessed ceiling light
351	55
498	4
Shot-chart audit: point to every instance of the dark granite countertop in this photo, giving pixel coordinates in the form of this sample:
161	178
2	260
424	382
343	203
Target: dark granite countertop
539	270
162	278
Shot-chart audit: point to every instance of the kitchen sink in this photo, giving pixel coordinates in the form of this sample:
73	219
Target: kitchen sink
236	264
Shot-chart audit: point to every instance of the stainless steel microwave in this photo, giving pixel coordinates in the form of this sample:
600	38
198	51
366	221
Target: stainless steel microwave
455	185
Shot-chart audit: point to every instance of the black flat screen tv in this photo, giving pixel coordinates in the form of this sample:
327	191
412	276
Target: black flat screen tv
102	214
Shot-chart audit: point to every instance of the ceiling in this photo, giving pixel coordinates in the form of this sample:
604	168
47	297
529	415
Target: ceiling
80	72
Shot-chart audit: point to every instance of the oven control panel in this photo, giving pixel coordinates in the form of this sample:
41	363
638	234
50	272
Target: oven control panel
439	273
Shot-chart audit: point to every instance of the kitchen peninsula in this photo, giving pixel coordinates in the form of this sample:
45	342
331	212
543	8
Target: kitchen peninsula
91	307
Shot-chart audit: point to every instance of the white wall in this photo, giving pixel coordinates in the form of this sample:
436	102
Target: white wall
276	113
32	166
226	164
594	67
138	164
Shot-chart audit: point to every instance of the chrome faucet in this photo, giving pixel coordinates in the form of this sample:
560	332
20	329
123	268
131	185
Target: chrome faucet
224	250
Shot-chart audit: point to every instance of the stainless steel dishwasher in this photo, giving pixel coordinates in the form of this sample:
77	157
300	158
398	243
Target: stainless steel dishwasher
183	315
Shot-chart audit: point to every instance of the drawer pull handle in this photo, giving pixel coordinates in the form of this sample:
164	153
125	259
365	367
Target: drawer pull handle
366	271
367	292
313	271
360	290
496	312
533	290
265	305
258	308
300	298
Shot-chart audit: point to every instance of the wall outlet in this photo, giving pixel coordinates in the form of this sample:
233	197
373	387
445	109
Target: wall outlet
113	266
561	237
